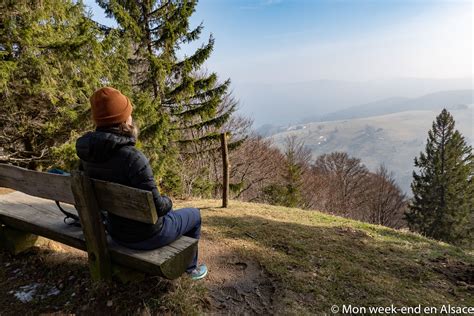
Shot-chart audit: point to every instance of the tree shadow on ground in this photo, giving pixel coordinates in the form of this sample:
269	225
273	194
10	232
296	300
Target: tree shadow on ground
64	285
317	266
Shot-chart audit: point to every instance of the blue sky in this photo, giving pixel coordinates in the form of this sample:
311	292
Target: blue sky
299	40
265	25
274	42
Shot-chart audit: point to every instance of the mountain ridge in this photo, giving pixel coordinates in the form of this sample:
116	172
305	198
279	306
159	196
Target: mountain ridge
451	99
283	103
435	100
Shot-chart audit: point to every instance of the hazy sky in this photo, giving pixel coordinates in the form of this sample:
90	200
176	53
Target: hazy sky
300	40
287	41
264	44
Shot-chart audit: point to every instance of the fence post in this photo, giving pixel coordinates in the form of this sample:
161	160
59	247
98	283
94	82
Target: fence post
225	173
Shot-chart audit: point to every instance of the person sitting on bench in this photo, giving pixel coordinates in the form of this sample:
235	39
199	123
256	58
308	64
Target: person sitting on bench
109	154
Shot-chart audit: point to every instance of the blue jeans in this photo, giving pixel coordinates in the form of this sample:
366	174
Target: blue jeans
182	222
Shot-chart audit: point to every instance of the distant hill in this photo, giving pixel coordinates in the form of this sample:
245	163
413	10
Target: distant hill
433	101
392	139
290	102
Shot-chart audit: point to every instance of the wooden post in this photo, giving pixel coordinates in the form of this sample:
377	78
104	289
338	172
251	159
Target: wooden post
16	241
225	173
91	222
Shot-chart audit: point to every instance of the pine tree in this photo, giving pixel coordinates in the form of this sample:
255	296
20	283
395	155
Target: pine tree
177	105
443	202
50	64
293	173
296	163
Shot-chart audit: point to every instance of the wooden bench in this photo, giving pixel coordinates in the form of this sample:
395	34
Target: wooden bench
25	216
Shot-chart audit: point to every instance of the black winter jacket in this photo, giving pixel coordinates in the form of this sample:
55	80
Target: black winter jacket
107	155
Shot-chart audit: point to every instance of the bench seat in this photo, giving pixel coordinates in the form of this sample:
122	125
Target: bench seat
42	217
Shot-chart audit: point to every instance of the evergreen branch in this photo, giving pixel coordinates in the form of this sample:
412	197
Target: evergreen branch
230	146
185	85
209	137
197	59
159	9
215	122
103	28
194	34
207	107
203	85
150	130
236	144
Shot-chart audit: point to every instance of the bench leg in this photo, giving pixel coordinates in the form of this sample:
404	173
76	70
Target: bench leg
126	275
16	241
175	266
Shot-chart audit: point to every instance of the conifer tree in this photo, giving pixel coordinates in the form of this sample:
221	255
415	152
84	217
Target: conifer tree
296	163
50	65
176	103
443	202
293	175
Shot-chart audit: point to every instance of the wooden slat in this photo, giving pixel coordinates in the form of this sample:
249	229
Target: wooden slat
41	217
91	222
118	199
180	245
127	202
166	261
40	184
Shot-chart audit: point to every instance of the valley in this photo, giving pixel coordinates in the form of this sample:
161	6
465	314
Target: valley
393	139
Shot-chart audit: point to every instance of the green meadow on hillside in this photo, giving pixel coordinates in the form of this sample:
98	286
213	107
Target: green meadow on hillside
265	259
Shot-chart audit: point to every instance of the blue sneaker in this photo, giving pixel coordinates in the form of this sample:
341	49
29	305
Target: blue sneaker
199	273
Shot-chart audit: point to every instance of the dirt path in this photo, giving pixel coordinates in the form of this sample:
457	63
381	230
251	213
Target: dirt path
235	285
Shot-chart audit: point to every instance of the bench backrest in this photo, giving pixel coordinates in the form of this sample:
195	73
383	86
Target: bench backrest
117	199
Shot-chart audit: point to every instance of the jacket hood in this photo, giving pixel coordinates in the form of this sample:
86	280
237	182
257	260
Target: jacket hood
98	146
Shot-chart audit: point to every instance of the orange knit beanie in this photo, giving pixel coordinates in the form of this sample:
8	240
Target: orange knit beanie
109	106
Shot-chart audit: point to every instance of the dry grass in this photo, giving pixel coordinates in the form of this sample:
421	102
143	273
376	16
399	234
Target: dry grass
312	261
318	260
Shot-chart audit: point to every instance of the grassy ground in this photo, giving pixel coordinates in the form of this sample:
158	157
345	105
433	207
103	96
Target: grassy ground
317	260
262	259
